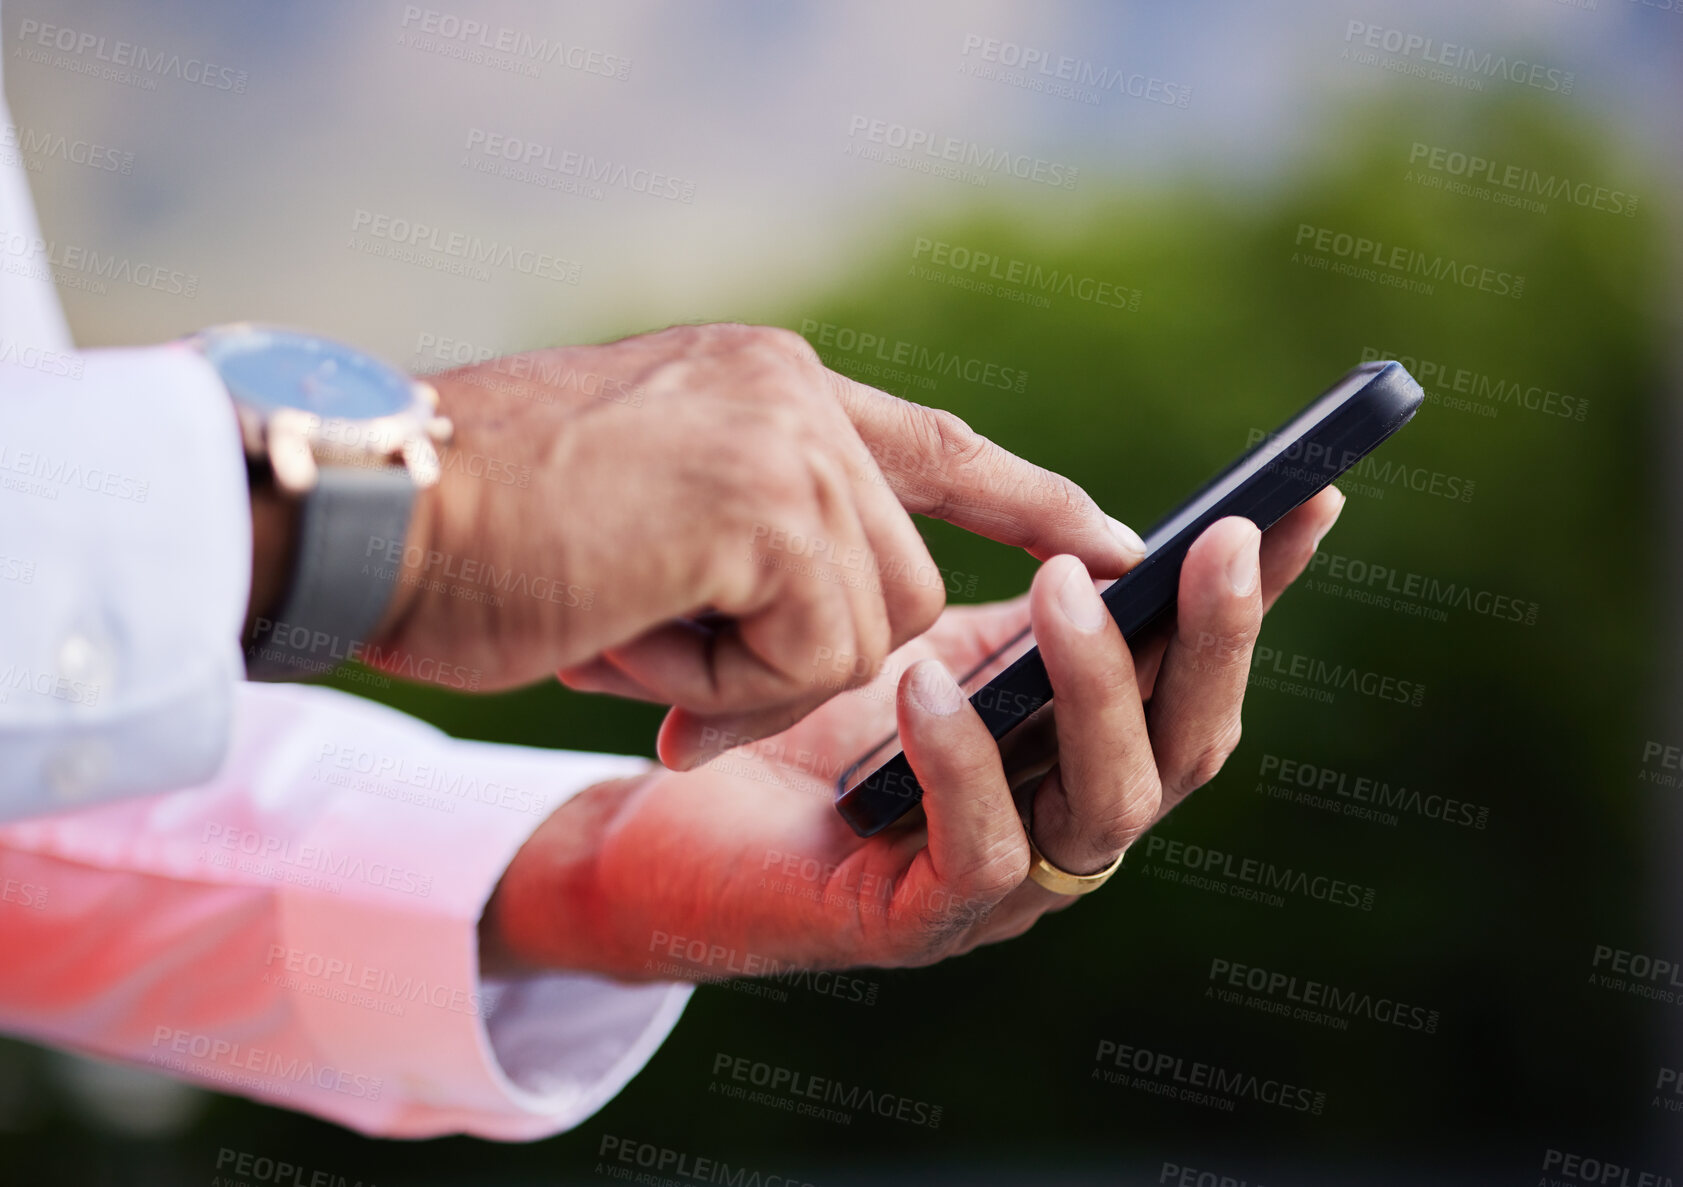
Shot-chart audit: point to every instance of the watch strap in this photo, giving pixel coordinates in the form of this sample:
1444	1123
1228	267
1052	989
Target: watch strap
338	593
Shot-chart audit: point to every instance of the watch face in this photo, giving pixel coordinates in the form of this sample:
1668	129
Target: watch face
270	369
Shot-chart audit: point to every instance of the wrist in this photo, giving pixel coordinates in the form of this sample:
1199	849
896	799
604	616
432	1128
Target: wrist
406	586
550	910
274	536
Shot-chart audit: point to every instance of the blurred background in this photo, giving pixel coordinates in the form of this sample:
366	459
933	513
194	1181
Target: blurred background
1497	1007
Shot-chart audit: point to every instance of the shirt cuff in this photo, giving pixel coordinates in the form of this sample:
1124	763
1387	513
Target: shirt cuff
123	492
512	1058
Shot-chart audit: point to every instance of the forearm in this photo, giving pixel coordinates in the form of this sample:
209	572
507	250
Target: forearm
337	910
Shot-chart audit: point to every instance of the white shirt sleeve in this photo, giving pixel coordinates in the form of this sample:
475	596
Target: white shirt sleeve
124	565
303	928
301	923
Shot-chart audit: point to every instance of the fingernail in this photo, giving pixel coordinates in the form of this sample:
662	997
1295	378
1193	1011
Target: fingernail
1243	571
1127	537
934	689
1336	512
1080	602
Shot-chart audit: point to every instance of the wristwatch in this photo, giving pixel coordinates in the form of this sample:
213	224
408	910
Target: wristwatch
352	440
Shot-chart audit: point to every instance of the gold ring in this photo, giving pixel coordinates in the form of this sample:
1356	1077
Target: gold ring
1060	881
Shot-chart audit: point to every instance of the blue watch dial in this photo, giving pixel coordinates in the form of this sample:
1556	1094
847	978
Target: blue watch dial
271	369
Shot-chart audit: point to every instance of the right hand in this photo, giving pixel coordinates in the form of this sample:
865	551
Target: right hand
717	472
746	863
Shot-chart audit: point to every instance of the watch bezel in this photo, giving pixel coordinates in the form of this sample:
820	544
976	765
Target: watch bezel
292	443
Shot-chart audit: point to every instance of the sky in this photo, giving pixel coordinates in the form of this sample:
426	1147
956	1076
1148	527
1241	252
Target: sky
752	138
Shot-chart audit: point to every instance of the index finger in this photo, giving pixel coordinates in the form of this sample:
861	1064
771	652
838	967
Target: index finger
939	466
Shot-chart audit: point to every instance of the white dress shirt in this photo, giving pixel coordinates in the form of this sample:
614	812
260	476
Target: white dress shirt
269	890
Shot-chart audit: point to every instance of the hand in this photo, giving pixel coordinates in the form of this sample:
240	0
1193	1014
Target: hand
745	866
597	501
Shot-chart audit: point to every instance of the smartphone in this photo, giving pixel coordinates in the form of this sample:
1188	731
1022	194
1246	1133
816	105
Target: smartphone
1010	690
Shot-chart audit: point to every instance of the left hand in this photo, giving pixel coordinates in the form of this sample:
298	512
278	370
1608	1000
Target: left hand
744	865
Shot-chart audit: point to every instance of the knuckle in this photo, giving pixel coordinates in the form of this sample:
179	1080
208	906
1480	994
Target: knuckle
686	337
954	441
1220	648
1003	874
1115	833
924	602
1135	808
1207	762
787	342
773	469
729	333
864	668
994	873
1056	495
774	340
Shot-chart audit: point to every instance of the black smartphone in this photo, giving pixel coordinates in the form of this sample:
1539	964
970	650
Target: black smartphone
1010	690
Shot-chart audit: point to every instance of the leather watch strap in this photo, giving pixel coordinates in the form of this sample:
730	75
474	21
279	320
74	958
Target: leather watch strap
338	593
